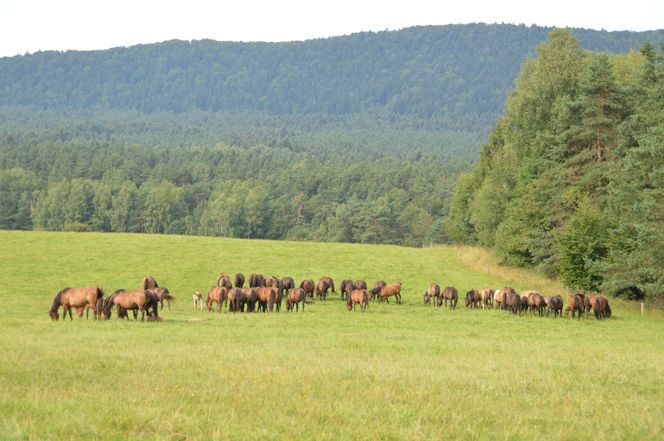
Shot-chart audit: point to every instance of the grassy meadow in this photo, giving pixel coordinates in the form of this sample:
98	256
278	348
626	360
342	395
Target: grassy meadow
396	372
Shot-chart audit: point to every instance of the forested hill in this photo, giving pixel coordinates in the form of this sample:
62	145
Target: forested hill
571	179
455	76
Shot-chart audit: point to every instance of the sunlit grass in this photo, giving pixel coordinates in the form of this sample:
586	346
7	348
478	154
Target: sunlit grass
395	372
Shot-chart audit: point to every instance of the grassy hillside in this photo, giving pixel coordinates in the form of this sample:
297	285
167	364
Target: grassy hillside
395	372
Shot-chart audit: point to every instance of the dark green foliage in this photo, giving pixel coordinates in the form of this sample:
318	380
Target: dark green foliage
576	183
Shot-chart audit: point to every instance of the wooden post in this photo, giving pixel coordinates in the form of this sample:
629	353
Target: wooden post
642	308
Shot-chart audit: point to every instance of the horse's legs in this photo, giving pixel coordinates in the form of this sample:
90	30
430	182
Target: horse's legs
162	304
135	312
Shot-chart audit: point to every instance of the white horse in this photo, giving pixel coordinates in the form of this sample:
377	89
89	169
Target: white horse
198	300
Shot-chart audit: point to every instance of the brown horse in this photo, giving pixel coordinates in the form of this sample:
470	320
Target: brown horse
393	289
486	296
555	304
505	292
235	299
218	294
575	304
163	294
330	281
294	297
239	280
600	306
473	298
449	293
379	284
256	280
85	297
432	292
536	303
347	286
513	302
266	297
86	309
248	299
224	281
358	297
142	300
360	284
322	287
287	283
308	286
149	283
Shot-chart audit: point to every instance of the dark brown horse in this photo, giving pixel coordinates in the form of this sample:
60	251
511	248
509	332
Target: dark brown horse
347	286
294	297
308	286
142	300
555	304
85	298
218	295
163	294
449	293
360	284
239	280
473	298
224	281
536	303
149	283
393	289
287	283
432	292
235	299
513	302
248	299
358	297
505	292
600	306
379	284
256	280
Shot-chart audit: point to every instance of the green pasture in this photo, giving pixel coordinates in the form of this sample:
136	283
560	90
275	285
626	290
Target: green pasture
395	372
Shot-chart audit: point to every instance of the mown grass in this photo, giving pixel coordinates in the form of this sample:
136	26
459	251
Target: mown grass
395	372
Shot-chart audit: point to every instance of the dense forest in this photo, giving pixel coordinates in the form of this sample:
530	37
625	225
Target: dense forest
357	139
571	180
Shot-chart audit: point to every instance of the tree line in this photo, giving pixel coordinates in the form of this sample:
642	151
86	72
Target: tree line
570	181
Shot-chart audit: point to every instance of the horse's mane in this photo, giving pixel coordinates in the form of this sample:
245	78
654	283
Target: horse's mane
57	300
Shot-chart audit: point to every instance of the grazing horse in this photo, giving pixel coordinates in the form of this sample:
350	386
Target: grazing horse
248	299
513	302
308	286
163	294
295	296
287	283
239	280
432	292
473	298
486	297
600	306
235	299
224	281
360	284
322	287
575	304
135	300
85	297
449	293
96	311
505	292
555	304
256	280
536	303
218	294
198	300
149	283
266	297
347	286
358	297
393	289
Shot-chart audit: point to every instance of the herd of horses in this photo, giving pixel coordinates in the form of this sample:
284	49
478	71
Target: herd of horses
508	299
266	293
146	300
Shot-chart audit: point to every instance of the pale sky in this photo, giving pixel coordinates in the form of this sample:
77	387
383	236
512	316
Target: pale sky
34	25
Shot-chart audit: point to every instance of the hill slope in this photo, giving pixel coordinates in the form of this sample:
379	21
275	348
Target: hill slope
394	372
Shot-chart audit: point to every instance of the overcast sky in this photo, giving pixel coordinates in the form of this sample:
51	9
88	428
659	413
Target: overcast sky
33	25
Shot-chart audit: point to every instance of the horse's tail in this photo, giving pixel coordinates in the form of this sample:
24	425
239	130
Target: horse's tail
100	293
270	301
607	312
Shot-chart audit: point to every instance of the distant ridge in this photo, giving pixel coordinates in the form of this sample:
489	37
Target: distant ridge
455	75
